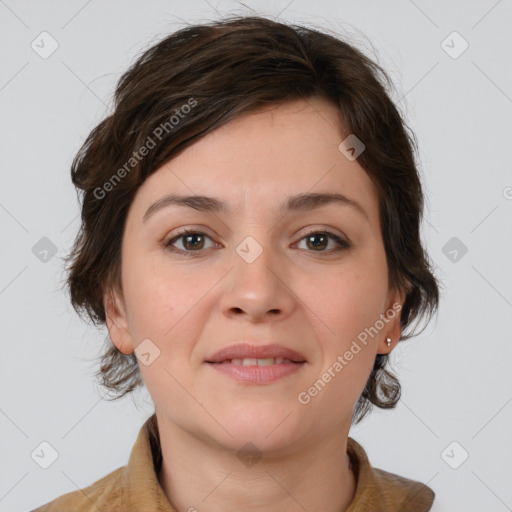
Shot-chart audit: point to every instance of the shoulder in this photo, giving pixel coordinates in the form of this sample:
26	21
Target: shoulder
384	491
108	490
396	490
131	487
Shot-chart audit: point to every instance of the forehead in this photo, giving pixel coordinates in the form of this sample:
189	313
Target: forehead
259	158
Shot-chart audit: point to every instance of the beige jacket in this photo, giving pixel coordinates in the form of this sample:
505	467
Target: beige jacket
135	487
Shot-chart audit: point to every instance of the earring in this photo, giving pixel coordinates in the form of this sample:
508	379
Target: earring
388	342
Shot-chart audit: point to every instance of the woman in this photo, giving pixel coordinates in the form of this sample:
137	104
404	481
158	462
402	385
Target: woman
251	239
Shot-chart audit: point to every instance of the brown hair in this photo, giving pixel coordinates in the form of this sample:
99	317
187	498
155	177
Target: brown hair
200	78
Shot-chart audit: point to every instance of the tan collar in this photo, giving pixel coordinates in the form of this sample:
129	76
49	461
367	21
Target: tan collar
380	491
376	490
144	491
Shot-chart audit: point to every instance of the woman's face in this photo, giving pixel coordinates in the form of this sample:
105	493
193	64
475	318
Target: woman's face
252	273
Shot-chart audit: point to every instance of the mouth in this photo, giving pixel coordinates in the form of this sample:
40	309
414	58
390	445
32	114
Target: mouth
252	373
247	354
256	364
250	361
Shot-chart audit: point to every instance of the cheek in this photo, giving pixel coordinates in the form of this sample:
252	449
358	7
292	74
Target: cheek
345	313
348	353
168	306
163	308
159	294
152	306
345	303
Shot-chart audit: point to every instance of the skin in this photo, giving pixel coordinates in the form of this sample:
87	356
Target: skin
314	300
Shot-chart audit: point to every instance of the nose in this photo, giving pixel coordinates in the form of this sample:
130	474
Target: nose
259	290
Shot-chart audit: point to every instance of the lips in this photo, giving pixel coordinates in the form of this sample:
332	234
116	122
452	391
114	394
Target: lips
247	351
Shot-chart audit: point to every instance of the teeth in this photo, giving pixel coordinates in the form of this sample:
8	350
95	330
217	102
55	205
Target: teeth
259	362
265	362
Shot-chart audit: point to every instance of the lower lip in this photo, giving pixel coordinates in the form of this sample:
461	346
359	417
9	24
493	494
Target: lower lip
255	374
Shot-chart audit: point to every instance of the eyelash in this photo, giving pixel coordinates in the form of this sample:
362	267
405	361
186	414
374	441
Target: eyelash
342	244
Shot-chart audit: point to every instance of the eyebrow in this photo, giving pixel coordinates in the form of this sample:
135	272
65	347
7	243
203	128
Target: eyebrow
300	202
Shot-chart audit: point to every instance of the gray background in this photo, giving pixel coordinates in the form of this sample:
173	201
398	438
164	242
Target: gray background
456	375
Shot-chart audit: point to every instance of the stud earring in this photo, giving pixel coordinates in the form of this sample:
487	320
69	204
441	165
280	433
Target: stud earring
388	342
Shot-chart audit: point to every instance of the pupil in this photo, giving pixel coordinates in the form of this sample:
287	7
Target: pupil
189	237
317	236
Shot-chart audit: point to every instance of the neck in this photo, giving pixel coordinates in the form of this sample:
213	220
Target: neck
197	474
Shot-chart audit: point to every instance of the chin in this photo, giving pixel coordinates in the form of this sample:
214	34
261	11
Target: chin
268	427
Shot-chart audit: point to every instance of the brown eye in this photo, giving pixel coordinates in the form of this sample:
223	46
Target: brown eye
317	241
191	241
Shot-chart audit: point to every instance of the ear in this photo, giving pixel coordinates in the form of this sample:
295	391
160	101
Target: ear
392	313
117	321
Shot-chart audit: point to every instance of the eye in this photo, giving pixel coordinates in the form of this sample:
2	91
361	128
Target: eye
193	241
319	240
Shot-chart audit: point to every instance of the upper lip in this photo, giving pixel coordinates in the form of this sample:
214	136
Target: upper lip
247	350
